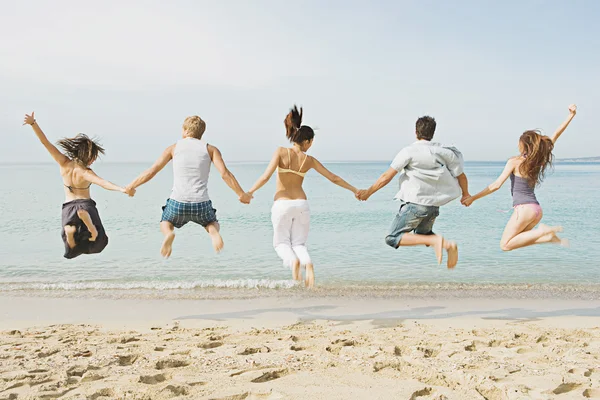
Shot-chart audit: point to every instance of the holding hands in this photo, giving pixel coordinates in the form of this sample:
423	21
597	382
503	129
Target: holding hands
130	191
245	198
467	201
362	195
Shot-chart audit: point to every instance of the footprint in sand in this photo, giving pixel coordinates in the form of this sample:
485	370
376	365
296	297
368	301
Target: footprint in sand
127	359
210	345
153	379
271	375
77	370
91	377
566	387
420	393
104	392
177	390
254	350
591	393
171	363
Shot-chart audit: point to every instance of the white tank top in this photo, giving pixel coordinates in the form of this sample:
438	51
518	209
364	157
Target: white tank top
191	166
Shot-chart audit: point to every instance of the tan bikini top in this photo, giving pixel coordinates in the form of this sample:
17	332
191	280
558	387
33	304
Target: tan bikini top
292	171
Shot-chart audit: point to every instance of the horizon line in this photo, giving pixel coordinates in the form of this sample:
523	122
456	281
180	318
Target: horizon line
568	159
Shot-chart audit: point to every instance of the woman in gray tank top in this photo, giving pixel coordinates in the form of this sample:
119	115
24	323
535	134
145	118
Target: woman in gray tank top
526	171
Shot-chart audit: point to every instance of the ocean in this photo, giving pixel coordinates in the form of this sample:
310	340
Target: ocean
346	239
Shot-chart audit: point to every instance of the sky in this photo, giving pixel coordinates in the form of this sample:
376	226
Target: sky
129	72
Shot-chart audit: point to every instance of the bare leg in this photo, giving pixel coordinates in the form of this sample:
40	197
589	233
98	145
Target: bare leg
70	233
436	241
519	230
296	270
87	220
310	276
217	241
167	229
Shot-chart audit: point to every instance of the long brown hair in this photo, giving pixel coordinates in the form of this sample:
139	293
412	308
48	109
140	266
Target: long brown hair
81	149
294	130
537	153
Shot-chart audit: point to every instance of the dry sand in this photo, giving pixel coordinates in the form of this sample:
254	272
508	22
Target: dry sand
452	358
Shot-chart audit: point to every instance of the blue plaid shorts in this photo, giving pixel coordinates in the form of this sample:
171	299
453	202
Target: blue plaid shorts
180	214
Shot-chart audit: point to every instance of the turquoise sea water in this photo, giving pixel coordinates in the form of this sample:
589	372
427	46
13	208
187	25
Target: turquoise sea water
346	239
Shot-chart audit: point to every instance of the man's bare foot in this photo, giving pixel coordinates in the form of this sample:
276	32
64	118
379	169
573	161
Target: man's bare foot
439	248
70	234
296	270
217	241
167	246
452	250
93	234
310	276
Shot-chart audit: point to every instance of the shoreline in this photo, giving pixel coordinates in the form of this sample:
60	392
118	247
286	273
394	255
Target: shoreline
259	289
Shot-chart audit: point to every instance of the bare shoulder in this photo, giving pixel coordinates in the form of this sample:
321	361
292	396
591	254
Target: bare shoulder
311	162
514	162
212	150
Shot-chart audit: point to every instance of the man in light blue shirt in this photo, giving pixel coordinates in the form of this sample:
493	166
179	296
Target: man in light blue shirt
431	176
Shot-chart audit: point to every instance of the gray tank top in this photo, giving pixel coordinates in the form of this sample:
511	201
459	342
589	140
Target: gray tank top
191	166
522	192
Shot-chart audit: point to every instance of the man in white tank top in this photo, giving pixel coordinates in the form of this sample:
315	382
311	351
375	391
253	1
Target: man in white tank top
189	200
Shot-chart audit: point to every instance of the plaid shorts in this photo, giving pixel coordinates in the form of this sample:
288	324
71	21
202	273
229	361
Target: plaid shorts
180	214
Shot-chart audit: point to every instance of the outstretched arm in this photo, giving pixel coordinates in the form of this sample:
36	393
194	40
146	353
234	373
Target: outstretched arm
508	169
563	126
151	172
227	176
59	157
381	182
266	176
91	177
333	178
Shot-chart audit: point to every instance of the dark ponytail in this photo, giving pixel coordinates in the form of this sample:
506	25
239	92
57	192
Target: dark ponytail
294	130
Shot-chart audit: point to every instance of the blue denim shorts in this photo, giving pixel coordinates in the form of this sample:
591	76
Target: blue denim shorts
412	217
180	214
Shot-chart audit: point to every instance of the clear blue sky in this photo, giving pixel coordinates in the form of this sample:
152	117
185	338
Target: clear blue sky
130	72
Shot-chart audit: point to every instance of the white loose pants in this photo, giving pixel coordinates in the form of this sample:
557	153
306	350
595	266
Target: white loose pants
291	221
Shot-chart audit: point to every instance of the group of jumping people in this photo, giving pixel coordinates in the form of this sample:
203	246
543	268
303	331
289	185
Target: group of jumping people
431	175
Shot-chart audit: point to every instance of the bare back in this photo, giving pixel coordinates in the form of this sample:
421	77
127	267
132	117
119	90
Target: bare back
289	183
75	184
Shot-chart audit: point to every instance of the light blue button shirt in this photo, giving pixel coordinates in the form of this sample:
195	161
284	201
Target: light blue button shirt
428	173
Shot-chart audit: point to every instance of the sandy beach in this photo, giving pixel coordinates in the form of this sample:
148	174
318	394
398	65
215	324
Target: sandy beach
286	349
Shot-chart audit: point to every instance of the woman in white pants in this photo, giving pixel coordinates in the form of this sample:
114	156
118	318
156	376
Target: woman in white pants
290	213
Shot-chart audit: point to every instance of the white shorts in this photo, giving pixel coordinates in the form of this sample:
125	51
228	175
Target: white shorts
291	222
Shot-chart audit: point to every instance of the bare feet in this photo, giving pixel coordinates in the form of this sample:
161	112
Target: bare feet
439	248
167	246
296	270
550	229
452	250
310	276
551	236
70	233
